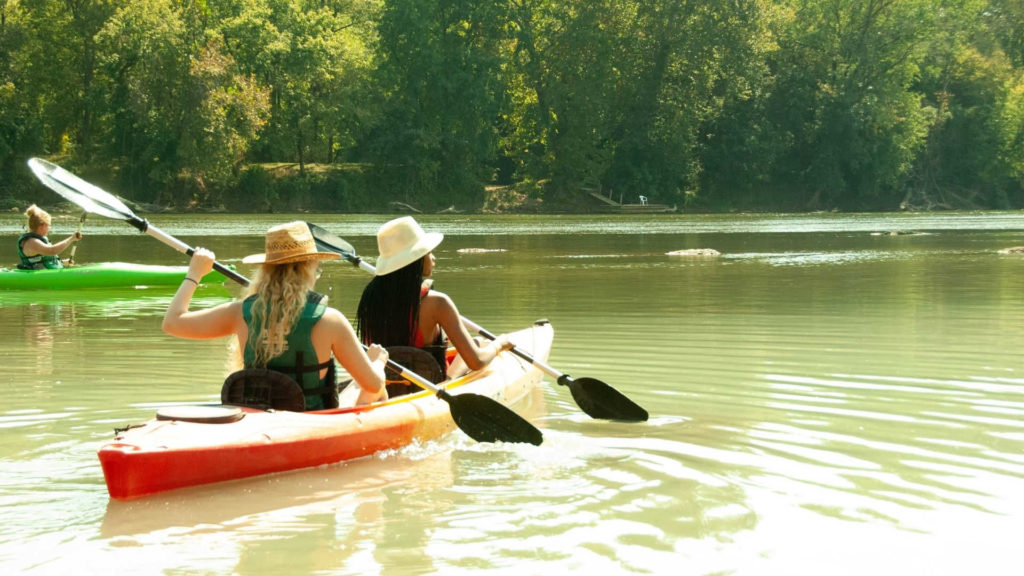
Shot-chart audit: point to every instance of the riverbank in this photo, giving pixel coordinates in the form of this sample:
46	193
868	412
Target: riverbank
279	188
353	188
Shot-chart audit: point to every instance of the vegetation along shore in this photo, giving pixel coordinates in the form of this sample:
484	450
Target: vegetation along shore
519	105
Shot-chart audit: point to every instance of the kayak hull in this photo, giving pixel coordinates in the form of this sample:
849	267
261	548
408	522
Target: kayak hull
102	275
163	455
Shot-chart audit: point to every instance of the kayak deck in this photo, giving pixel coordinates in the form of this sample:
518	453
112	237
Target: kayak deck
165	455
102	275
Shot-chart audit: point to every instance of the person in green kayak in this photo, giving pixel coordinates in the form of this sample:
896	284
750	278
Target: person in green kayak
282	324
34	247
399	308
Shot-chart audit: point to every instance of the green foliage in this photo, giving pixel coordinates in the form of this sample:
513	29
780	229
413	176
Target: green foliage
440	67
313	56
683	64
144	66
15	124
285	188
520	104
181	115
229	111
1004	21
974	152
845	70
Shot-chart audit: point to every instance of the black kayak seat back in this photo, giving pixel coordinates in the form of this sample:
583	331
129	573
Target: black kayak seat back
264	389
415	360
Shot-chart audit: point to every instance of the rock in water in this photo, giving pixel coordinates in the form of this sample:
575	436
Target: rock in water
695	253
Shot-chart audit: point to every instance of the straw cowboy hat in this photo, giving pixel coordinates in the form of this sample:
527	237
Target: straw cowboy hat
291	242
401	242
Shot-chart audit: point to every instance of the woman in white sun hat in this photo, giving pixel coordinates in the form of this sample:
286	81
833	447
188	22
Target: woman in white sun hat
398	307
283	324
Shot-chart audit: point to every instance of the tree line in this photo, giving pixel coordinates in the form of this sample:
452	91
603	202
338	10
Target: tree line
706	104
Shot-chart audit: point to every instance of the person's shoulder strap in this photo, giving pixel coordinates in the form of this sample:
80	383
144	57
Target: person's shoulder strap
316	305
428	284
247	307
27	235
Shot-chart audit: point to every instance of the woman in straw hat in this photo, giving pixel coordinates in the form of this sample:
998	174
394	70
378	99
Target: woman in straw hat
398	308
281	319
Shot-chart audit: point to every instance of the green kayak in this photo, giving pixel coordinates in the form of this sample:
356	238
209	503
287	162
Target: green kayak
103	275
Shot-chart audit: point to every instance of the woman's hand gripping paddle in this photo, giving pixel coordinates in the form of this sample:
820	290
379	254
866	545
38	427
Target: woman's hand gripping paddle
597	399
98	201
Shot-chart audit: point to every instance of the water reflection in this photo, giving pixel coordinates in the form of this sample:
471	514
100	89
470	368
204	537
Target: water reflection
116	302
370	514
814	395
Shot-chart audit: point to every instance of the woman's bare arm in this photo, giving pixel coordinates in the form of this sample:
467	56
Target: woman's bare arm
443	311
35	246
216	322
366	368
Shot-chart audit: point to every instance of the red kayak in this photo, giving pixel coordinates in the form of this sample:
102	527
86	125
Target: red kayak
199	445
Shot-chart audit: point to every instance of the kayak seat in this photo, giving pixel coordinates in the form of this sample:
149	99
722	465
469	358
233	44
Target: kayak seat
264	389
415	359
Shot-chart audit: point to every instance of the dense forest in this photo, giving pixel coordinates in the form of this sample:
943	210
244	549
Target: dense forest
519	104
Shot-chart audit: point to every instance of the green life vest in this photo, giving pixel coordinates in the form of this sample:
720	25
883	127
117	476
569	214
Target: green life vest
39	261
299	360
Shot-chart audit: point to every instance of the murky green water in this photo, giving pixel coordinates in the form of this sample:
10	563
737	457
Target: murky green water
825	397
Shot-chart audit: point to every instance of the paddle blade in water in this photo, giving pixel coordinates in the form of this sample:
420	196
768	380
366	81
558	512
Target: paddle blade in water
486	420
600	400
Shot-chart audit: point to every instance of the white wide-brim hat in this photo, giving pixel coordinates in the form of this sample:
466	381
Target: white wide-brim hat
401	242
291	242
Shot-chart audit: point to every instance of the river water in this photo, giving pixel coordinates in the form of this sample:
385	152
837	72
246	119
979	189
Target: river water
826	397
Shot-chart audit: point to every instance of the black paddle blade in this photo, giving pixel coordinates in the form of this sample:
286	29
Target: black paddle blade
330	242
600	400
486	420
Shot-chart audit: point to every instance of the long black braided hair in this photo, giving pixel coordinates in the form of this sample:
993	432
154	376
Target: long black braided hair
389	308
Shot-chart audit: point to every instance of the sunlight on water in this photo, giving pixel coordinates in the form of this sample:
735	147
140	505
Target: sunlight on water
819	258
825	397
491	225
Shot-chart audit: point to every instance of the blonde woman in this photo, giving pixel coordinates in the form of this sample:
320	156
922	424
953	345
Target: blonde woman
34	247
282	324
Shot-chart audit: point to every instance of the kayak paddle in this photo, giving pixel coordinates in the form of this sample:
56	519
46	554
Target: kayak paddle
483	419
71	258
597	399
93	199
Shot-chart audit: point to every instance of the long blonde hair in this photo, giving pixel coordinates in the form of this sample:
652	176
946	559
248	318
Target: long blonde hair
280	291
36	217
